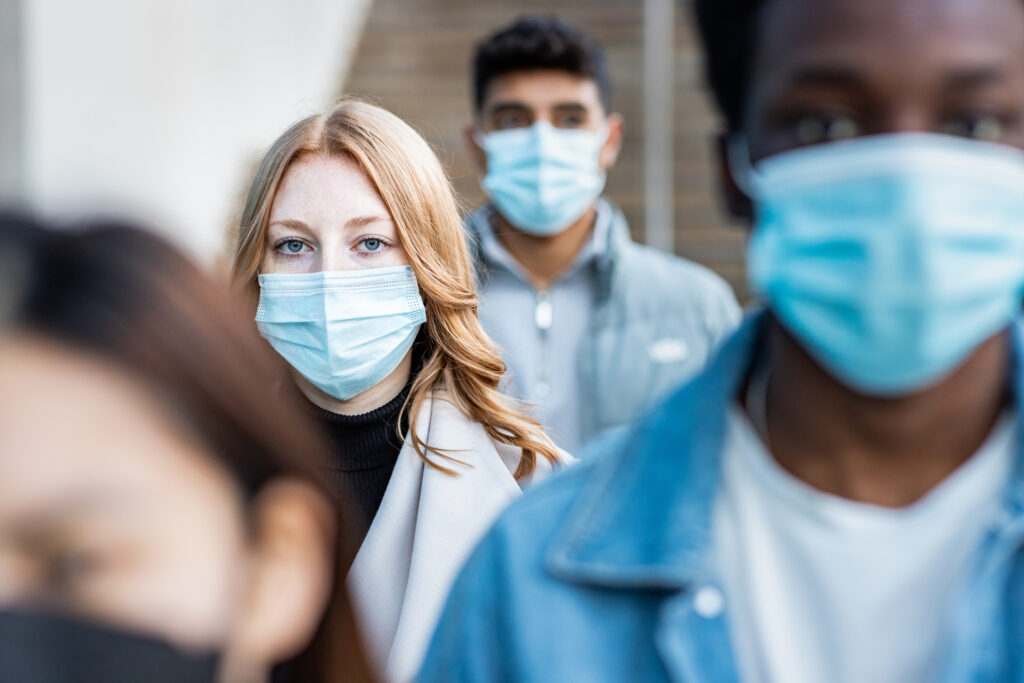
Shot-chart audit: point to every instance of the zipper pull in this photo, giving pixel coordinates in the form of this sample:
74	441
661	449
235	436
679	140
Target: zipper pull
542	313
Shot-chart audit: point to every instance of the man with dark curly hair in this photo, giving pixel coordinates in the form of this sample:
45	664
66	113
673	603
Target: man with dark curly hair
594	326
839	496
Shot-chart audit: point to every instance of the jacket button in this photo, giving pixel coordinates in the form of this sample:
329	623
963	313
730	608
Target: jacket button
708	602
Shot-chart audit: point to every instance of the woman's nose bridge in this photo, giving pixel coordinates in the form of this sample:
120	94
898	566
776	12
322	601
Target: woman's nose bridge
334	254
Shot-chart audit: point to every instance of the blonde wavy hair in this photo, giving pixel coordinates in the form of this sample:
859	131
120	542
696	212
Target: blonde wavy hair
460	358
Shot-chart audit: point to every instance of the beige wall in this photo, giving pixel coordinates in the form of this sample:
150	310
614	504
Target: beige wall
414	57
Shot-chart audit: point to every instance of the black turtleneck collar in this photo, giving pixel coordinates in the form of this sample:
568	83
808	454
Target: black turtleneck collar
364	449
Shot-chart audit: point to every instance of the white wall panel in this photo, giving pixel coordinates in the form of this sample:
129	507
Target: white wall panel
160	109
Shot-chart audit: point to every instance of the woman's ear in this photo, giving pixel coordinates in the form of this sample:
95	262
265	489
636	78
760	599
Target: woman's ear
609	153
736	201
288	581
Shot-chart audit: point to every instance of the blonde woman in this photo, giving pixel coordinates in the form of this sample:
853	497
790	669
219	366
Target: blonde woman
353	253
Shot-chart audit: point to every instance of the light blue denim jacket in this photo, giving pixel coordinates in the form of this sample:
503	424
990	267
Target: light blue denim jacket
645	298
593	575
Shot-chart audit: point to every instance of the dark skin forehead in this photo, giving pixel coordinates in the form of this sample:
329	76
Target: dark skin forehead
899	61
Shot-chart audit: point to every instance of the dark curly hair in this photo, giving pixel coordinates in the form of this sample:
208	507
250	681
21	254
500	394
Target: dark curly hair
539	42
728	30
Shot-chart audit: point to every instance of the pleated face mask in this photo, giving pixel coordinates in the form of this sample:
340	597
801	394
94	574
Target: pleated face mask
344	331
890	257
542	178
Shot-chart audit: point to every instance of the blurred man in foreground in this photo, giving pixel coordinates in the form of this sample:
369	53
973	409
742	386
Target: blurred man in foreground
840	496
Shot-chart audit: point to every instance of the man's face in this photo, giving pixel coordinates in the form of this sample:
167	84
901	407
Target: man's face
833	69
522	98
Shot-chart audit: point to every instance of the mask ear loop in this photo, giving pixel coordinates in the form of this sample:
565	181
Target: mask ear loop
602	135
480	138
746	177
740	166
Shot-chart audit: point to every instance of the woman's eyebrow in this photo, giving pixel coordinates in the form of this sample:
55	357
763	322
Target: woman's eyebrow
290	223
362	221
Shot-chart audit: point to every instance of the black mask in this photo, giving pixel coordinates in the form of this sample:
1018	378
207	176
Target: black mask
46	648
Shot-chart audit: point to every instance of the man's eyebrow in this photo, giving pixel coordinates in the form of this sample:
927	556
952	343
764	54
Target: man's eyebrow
973	77
827	75
570	108
506	106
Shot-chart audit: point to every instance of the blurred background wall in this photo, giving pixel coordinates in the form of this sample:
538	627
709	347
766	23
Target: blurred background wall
414	58
161	109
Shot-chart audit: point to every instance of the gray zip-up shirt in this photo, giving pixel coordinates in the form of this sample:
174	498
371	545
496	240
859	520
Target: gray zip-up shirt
560	316
622	326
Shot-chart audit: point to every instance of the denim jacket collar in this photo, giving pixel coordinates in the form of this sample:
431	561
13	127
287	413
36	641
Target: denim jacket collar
643	519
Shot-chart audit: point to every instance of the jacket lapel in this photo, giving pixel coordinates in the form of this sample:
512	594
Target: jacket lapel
693	645
644	518
986	632
427	524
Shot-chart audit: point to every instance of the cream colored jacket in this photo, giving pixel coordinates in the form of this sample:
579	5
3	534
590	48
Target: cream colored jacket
425	529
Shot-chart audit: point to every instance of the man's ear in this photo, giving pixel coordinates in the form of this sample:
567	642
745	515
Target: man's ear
737	202
609	153
289	577
478	155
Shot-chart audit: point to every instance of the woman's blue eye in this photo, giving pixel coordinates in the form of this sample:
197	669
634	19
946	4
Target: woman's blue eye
372	244
293	246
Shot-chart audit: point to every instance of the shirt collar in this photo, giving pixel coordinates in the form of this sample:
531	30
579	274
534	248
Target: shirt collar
593	248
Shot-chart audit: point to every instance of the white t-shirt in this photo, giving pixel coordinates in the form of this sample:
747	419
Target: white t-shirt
822	588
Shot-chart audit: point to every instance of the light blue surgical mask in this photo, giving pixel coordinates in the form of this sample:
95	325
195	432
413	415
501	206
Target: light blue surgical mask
344	331
891	258
542	178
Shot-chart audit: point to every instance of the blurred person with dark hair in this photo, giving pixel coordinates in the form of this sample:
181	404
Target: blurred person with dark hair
594	327
352	255
840	495
161	513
